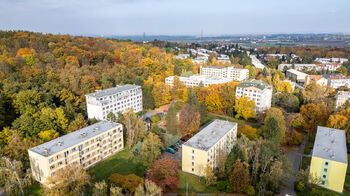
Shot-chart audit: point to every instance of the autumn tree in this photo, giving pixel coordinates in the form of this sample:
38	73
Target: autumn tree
100	189
249	131
286	87
210	178
128	183
72	179
149	189
171	120
135	129
214	101
189	120
239	178
314	115
13	177
178	90
78	123
245	108
164	173
115	191
275	125
161	94
151	149
337	121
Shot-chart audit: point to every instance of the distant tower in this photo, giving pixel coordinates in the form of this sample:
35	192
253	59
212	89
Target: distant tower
144	36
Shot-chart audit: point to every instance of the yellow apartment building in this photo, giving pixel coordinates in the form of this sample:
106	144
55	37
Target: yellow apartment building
84	147
329	160
201	150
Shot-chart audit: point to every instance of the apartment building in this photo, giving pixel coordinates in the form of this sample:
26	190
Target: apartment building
338	81
235	74
117	99
258	91
331	60
201	150
256	62
296	75
299	67
200	60
198	80
341	98
318	79
84	147
183	56
329	160
224	59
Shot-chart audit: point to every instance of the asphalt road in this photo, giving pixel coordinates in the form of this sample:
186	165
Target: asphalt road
294	155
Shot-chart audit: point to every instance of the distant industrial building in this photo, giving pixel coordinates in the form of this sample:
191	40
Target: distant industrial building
84	147
113	100
329	160
202	149
258	91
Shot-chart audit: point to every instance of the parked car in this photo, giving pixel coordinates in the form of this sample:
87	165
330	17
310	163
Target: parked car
179	144
170	150
282	152
174	147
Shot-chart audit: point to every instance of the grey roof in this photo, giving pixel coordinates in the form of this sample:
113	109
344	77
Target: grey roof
215	67
210	135
59	144
330	144
255	83
112	91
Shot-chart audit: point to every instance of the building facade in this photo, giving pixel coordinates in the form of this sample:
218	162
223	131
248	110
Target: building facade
117	99
341	98
198	80
299	67
318	79
296	75
329	160
84	147
338	81
202	149
258	91
235	74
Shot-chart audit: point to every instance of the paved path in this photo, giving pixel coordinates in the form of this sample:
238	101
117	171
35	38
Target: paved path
294	155
157	110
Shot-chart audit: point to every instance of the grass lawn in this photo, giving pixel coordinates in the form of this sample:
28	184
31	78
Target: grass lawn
35	190
194	184
123	163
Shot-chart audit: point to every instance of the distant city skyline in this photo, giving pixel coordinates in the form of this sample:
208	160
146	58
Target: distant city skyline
175	17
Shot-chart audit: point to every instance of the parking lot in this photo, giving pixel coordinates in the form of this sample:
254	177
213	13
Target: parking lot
176	156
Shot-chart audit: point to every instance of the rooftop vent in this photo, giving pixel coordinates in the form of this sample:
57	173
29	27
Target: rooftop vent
46	151
83	135
96	128
60	143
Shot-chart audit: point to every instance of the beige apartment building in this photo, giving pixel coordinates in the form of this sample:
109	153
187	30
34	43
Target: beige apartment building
84	147
201	150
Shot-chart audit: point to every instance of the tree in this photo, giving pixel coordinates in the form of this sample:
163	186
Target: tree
245	108
287	101
271	131
128	183
210	178
13	177
164	173
116	191
214	101
189	121
235	154
161	94
111	117
72	179
178	90
337	121
78	123
171	120
17	148
314	115
48	135
140	190
249	131
100	189
286	87
135	129
239	178
220	159
152	189
150	149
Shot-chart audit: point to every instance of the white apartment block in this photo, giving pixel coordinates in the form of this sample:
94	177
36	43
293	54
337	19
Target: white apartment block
296	75
338	81
331	60
116	99
235	74
256	62
198	80
200	60
298	67
258	91
341	98
84	147
183	56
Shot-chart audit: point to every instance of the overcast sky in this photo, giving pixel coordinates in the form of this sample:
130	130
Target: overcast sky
176	17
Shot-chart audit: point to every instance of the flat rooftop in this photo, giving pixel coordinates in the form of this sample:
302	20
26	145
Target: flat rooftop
330	144
112	91
209	135
254	83
61	143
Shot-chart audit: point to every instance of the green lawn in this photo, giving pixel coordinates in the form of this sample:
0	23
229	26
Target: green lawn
123	163
194	184
35	189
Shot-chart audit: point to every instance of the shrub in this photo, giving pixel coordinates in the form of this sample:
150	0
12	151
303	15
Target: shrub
155	118
295	138
128	183
299	186
222	185
250	190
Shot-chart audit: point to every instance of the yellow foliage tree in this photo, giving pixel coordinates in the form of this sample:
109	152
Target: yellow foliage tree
245	108
178	90
214	102
337	121
161	94
286	87
48	135
249	131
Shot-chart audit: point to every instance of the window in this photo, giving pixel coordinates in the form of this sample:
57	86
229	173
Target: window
74	149
193	163
324	176
74	156
325	170
192	157
192	169
52	167
59	156
51	160
323	182
87	143
192	151
60	163
326	163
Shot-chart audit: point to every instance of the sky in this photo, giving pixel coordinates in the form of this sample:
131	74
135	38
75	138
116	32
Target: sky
176	17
